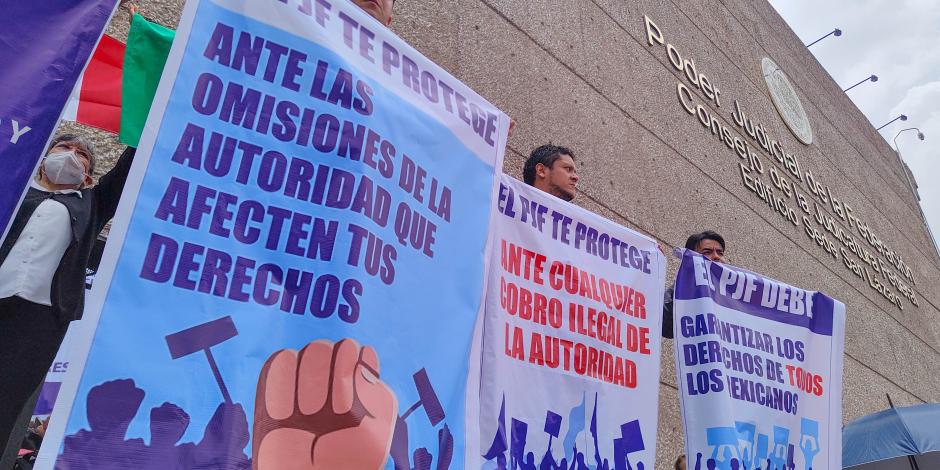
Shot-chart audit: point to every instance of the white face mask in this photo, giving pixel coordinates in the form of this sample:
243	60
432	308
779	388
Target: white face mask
64	168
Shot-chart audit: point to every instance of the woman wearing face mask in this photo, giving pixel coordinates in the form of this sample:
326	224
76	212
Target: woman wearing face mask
42	264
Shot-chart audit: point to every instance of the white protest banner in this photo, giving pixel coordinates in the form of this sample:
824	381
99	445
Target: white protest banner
571	348
759	367
297	265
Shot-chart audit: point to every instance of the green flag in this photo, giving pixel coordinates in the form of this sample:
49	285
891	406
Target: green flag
148	45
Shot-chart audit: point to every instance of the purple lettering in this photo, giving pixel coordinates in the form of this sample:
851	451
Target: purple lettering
187	265
341	186
306	124
429	87
363	104
410	74
292	71
271	171
390	58
325	296
200	206
277	52
323	240
296	233
248	211
352	289
218	156
278	216
159	259
214	276
172	207
222	214
296	291
219	48
189	150
322	11
267	274
341	92
249	152
247	53
240	106
349	25
241	279
207	93
365	43
299	175
326	133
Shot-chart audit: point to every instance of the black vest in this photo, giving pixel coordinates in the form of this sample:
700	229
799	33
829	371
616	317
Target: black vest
88	215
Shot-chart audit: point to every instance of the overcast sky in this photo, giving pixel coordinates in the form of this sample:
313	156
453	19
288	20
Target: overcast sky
899	41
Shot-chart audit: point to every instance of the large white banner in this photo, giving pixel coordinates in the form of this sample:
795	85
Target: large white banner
571	348
759	367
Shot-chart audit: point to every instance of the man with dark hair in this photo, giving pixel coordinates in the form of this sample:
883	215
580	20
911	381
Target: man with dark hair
43	261
710	245
551	168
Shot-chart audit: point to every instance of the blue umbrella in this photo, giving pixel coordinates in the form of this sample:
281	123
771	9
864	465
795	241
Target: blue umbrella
897	438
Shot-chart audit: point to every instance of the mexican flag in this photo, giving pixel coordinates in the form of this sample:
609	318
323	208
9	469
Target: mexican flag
117	88
148	45
96	98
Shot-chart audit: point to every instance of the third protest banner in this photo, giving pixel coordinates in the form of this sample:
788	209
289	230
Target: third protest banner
571	348
46	44
759	366
298	264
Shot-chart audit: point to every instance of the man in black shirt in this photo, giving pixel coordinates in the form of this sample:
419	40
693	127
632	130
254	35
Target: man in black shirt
710	245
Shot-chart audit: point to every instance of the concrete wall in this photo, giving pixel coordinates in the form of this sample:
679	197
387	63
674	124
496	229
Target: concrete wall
580	73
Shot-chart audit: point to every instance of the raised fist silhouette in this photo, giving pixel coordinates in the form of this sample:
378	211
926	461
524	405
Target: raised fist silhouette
323	408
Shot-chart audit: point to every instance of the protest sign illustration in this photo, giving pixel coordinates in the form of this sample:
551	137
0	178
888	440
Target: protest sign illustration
571	355
759	366
300	260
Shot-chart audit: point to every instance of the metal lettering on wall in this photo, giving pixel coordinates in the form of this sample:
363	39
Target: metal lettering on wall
792	192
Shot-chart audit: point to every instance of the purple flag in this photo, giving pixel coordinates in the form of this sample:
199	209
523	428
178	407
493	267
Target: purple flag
45	46
552	423
47	395
632	437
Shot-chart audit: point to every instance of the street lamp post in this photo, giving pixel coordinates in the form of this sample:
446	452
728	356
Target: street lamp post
901	117
873	78
897	151
920	135
836	32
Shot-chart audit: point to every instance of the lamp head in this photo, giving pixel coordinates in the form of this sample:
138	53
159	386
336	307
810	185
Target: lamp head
920	135
873	78
903	117
837	32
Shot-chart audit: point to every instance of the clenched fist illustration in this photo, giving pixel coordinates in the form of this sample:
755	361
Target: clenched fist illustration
323	408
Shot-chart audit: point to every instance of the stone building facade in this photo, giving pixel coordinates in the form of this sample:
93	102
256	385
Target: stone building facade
661	124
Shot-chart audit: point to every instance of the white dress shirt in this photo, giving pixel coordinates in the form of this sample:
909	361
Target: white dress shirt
28	270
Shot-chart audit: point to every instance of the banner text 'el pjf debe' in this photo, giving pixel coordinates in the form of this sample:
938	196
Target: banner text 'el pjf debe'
759	366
